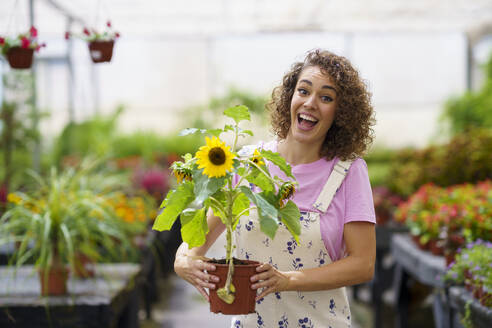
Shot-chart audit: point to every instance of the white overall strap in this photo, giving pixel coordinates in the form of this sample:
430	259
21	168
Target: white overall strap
331	187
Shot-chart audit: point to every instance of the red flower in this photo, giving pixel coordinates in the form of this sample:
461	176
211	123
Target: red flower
67	35
117	35
33	31
25	42
86	31
108	24
2	41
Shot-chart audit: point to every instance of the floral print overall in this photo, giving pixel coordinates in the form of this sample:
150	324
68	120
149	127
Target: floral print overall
293	309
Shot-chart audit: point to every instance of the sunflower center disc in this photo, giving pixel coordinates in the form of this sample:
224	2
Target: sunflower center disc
217	156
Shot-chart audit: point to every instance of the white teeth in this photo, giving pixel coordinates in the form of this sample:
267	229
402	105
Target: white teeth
308	118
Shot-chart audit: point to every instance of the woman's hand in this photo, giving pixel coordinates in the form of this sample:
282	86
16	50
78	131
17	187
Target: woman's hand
269	278
192	270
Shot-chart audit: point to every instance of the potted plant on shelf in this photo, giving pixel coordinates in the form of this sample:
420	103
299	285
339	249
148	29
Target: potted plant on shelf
100	44
472	268
213	179
449	216
20	49
61	222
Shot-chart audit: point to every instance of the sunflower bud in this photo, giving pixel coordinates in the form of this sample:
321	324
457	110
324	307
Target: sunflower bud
286	191
182	173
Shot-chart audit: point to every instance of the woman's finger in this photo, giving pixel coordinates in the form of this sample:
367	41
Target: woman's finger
262	276
203	292
204	284
261	284
263	267
204	266
206	277
265	292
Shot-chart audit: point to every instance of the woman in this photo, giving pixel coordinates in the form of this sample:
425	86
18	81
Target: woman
322	117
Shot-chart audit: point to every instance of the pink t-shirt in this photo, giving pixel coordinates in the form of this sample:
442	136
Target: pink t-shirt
352	202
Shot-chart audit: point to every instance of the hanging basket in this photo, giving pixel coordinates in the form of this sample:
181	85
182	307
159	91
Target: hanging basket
244	302
20	58
101	51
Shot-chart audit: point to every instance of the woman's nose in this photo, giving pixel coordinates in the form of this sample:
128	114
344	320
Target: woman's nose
310	102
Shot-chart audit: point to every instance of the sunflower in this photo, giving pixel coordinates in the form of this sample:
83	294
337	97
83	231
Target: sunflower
257	158
215	157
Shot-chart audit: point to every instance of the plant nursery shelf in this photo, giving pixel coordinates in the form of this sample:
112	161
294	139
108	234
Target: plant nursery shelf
411	262
479	315
110	299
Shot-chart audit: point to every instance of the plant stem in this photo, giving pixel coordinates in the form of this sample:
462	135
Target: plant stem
246	209
229	220
264	173
236	134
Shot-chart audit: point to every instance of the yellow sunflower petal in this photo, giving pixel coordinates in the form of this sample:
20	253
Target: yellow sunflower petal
215	158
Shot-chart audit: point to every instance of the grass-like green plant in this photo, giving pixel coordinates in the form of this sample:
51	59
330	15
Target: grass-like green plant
60	217
207	181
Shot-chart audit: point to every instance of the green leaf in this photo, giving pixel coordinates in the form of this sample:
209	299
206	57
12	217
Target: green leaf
189	131
240	204
238	113
175	203
268	214
241	171
290	215
259	179
244	132
205	186
278	160
228	127
187	157
194	226
269	226
215	132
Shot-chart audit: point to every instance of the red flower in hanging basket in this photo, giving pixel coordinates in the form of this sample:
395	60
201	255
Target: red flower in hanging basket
100	43
19	49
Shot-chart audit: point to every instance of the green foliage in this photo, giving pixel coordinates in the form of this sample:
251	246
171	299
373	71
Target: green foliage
176	202
473	109
465	158
255	104
472	268
16	142
464	208
379	161
206	180
98	137
148	144
194	226
90	137
60	213
238	113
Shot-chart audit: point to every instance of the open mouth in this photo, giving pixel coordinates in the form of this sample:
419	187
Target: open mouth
306	121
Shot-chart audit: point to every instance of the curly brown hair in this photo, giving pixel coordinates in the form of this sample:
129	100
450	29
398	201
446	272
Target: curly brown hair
351	132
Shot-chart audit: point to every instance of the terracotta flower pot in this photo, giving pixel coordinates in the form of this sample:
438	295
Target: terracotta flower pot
420	245
53	282
244	301
450	257
20	58
101	51
435	248
84	266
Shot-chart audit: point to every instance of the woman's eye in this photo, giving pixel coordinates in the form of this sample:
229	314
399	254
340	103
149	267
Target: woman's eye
302	91
326	98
